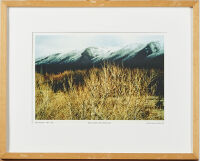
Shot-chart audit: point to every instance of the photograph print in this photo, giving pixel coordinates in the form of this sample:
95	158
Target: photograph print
99	76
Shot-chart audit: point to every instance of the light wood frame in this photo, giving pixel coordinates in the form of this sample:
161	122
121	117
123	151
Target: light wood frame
97	3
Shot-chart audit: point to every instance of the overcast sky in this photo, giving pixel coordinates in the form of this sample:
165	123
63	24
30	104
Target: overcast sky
47	44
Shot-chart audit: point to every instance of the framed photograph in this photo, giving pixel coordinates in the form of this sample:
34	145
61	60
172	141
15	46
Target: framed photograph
99	79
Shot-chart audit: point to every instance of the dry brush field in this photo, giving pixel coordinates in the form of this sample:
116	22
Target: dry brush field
107	93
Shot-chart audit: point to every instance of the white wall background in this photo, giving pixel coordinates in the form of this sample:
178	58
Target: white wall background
0	13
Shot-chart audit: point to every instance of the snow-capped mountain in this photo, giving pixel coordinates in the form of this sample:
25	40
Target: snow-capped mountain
133	55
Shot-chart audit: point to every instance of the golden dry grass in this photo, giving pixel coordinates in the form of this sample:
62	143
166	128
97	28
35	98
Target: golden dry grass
109	93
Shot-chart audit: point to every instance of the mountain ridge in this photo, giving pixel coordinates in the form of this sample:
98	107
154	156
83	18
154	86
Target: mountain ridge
146	55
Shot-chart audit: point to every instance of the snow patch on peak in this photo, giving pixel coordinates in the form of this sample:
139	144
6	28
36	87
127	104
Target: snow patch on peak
48	59
154	46
133	46
127	50
96	54
157	49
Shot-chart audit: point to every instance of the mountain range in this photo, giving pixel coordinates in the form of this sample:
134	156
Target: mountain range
146	55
